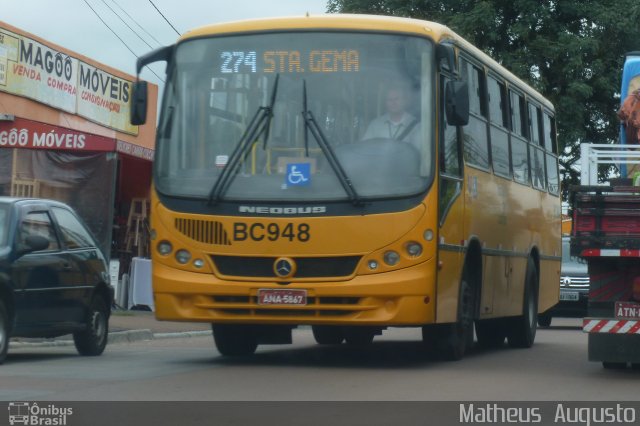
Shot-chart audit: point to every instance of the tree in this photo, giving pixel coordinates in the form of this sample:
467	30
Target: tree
571	51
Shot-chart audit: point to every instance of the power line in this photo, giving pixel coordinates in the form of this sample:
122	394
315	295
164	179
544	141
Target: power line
128	26
136	22
115	34
174	28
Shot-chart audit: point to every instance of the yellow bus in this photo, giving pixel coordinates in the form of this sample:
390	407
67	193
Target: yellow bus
350	173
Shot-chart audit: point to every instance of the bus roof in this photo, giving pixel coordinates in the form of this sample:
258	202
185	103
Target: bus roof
435	31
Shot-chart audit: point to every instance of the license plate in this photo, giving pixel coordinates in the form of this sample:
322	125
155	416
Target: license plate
282	297
571	296
627	310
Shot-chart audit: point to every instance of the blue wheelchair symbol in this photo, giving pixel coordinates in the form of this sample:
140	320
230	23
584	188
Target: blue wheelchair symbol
298	174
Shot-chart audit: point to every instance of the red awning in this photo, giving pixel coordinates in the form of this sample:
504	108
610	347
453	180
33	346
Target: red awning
28	134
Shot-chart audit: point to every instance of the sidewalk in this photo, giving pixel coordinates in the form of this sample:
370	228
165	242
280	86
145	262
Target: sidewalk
130	326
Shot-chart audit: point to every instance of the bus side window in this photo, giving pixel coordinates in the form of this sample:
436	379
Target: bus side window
476	149
519	151
536	153
550	134
499	125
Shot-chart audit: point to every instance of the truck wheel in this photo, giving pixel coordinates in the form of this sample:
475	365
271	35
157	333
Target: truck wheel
327	334
235	340
4	332
93	339
456	338
522	329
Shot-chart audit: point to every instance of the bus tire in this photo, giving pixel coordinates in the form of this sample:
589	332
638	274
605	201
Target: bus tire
327	334
457	337
4	331
544	320
491	333
522	329
93	339
359	336
235	340
614	365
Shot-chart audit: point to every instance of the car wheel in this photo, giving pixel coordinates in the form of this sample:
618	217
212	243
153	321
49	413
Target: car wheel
522	329
235	340
327	334
93	339
4	332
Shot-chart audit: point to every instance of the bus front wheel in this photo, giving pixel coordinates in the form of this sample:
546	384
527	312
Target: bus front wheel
235	340
522	329
327	334
454	339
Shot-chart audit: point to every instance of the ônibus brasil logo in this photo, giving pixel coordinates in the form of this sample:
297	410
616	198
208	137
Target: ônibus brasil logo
32	414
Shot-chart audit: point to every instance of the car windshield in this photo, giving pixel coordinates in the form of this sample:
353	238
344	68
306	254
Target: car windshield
4	223
308	116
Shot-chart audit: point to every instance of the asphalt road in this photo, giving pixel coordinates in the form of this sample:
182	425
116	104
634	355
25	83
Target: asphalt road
394	368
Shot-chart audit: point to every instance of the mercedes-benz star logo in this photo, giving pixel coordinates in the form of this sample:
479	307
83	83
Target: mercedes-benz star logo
566	281
284	267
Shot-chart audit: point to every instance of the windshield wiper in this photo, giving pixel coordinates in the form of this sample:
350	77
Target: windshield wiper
260	124
310	124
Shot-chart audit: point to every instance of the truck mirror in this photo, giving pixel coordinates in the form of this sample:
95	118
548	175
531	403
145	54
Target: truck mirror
139	103
457	103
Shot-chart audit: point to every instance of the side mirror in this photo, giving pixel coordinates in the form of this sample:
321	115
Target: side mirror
456	101
139	101
33	243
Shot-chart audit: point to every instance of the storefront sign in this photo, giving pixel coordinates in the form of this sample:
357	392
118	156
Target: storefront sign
134	150
33	70
104	98
23	133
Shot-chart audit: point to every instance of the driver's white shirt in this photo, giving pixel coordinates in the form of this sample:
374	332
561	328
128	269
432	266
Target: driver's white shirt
385	127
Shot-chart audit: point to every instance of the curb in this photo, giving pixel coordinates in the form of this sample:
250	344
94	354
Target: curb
114	337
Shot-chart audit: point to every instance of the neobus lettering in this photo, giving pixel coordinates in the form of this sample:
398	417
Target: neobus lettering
271	231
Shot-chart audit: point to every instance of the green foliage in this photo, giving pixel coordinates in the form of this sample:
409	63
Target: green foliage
572	51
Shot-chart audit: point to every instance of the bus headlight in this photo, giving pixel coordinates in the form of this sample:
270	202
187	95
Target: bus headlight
373	265
183	256
413	249
198	263
164	247
391	257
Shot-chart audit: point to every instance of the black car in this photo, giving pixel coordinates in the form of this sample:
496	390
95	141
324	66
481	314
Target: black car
53	277
574	288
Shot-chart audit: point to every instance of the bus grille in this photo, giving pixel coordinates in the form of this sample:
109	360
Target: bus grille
316	307
307	267
204	231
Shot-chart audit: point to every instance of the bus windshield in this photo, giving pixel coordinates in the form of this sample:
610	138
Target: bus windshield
305	116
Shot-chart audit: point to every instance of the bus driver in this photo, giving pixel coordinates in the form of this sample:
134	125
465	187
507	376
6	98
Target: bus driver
396	123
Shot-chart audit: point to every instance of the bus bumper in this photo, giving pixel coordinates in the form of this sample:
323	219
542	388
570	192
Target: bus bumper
402	297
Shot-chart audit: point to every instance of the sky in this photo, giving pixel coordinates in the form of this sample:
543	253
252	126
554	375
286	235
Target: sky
73	25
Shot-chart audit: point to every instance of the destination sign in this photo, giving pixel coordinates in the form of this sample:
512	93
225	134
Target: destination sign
290	61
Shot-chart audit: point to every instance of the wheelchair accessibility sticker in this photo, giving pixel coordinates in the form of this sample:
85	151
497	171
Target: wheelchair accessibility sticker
298	174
